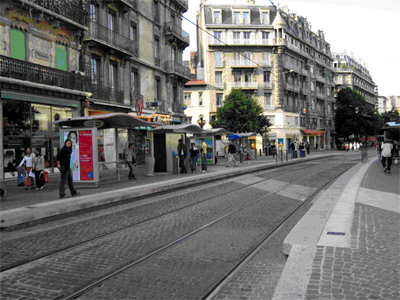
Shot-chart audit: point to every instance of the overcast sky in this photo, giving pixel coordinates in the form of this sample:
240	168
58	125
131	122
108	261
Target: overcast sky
369	29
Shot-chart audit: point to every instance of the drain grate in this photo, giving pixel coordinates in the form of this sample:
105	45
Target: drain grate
335	233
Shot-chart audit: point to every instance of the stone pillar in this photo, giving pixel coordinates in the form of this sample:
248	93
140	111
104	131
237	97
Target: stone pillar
278	76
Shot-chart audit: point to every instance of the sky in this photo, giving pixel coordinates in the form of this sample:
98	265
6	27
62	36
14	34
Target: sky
369	29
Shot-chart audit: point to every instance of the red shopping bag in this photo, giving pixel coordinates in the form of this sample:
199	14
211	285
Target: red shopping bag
46	176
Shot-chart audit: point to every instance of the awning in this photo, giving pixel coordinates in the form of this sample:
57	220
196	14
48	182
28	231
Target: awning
186	128
312	132
113	120
369	138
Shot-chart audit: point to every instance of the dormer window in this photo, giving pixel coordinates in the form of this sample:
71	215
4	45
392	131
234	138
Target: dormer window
246	17
217	17
265	17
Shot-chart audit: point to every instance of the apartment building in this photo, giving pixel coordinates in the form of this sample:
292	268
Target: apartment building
71	58
273	56
381	104
352	73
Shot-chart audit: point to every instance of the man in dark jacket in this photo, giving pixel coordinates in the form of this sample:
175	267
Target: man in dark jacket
182	153
231	154
63	161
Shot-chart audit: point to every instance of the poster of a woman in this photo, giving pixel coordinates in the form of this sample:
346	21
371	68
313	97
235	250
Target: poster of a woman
75	165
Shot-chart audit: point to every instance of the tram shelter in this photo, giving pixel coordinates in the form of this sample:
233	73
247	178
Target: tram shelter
98	143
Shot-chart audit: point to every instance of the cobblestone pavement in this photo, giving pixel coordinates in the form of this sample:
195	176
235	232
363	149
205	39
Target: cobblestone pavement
51	277
369	269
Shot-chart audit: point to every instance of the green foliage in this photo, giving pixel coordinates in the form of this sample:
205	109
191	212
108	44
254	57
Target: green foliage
240	114
391	116
353	115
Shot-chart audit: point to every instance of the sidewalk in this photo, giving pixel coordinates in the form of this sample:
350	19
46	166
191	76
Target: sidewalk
347	245
30	206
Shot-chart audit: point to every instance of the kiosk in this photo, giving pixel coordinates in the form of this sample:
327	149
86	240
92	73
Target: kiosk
99	142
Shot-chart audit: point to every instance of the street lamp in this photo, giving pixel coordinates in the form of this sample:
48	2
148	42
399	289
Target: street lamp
201	121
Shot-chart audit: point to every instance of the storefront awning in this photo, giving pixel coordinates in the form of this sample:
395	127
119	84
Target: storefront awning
391	125
186	128
113	120
312	132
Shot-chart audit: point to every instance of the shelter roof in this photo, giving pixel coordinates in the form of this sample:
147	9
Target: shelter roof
184	128
215	131
112	120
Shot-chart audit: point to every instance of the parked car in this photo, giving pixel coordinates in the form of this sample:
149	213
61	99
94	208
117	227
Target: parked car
341	146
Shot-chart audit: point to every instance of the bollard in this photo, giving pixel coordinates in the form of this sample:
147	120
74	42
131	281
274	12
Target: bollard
175	163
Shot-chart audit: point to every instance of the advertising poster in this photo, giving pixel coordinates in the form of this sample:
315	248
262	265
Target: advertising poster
81	158
210	153
86	155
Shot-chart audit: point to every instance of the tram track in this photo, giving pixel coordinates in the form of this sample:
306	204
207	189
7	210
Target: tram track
8	266
94	283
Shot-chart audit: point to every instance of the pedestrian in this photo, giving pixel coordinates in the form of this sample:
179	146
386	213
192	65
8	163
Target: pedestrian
182	153
308	148
296	147
130	160
63	162
27	160
38	167
193	153
75	167
293	147
273	150
203	153
231	154
316	146
358	146
301	148
387	148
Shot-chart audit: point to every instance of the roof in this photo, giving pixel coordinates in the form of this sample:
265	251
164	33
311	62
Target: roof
196	82
185	128
113	120
215	131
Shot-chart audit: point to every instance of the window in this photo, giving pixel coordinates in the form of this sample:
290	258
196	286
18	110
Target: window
247	58
247	77
156	11
217	17
17	44
93	13
290	120
157	95
188	99
313	104
135	82
267	57
236	17
217	35
236	37
246	17
132	32
112	75
200	98
175	94
265	37
312	86
246	37
95	70
267	76
111	22
61	58
236	77
189	120
237	56
267	101
265	18
218	77
271	119
157	50
219	100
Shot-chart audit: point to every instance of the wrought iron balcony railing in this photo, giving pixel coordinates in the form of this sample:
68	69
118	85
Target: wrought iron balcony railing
105	93
175	67
111	38
22	70
64	8
176	30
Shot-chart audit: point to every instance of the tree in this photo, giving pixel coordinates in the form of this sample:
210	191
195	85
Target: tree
391	116
240	114
353	115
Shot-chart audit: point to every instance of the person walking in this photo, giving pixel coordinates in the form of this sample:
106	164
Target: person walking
387	148
130	160
194	153
231	154
316	147
293	147
273	149
63	162
203	151
308	148
27	160
182	153
301	148
38	167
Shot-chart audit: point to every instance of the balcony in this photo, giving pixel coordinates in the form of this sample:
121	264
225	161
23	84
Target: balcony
22	70
173	67
63	8
291	108
123	5
267	63
320	95
267	85
320	78
107	94
183	3
219	63
175	34
219	85
245	63
244	85
110	39
269	107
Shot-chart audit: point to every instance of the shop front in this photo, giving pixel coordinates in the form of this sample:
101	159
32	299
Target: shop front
27	122
314	138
